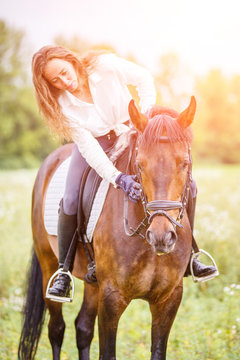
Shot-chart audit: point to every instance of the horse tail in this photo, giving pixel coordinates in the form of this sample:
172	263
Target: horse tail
33	312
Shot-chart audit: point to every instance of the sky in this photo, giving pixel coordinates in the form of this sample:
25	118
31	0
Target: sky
205	34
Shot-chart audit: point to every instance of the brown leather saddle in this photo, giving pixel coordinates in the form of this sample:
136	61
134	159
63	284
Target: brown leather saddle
89	185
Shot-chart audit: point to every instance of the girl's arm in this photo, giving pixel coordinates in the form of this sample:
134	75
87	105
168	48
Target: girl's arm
133	74
95	155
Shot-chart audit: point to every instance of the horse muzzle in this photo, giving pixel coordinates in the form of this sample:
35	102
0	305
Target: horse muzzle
162	243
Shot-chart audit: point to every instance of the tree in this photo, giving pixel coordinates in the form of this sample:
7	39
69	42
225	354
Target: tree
174	82
24	139
217	121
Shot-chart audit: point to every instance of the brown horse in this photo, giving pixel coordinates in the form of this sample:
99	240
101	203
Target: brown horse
158	152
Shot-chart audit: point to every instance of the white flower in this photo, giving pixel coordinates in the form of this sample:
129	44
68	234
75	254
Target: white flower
17	291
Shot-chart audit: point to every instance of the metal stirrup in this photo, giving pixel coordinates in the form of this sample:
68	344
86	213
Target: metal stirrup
207	277
56	298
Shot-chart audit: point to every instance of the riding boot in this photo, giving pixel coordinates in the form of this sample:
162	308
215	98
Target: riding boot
200	270
67	225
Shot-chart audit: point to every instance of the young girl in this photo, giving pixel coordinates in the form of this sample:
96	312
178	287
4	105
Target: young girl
86	100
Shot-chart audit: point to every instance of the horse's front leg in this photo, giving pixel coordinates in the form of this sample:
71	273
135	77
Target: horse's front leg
110	307
163	315
85	321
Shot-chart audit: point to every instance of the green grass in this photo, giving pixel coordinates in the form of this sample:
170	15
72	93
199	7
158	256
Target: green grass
207	326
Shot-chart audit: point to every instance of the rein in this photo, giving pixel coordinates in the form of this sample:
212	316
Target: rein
158	207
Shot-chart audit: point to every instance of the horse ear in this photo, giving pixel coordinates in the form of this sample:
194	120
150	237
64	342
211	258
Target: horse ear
138	120
186	117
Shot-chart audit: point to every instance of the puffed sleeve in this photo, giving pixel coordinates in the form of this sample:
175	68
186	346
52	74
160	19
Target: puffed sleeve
133	74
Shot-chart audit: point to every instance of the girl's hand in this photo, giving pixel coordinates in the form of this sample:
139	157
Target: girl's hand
130	186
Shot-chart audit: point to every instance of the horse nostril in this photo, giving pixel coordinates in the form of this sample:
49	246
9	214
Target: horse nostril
169	238
161	243
150	237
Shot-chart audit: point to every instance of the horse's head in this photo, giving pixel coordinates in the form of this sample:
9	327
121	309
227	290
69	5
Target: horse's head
163	161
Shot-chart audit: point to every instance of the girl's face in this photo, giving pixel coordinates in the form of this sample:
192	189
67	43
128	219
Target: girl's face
61	74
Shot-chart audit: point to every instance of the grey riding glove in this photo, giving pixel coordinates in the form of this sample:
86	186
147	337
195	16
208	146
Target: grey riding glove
130	186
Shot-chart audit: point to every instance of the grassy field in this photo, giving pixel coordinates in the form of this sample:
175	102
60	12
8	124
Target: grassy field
207	326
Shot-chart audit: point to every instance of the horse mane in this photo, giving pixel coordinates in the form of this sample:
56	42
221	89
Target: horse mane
163	122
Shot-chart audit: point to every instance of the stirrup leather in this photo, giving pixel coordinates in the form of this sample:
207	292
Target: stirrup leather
60	299
207	277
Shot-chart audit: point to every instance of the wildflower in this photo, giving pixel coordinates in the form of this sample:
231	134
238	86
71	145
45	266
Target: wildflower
17	291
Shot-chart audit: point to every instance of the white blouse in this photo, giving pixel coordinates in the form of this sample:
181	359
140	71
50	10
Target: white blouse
109	109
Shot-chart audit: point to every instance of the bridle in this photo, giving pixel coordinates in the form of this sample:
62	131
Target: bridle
158	207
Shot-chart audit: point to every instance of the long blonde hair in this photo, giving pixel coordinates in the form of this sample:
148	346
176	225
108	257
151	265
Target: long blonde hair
47	95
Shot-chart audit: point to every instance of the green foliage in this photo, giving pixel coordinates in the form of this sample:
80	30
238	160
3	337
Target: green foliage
11	63
217	121
207	325
24	139
81	46
216	125
171	73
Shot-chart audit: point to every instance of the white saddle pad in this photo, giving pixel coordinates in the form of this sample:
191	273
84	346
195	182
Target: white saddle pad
55	193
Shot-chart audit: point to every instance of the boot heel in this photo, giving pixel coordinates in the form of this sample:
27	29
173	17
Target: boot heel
207	277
